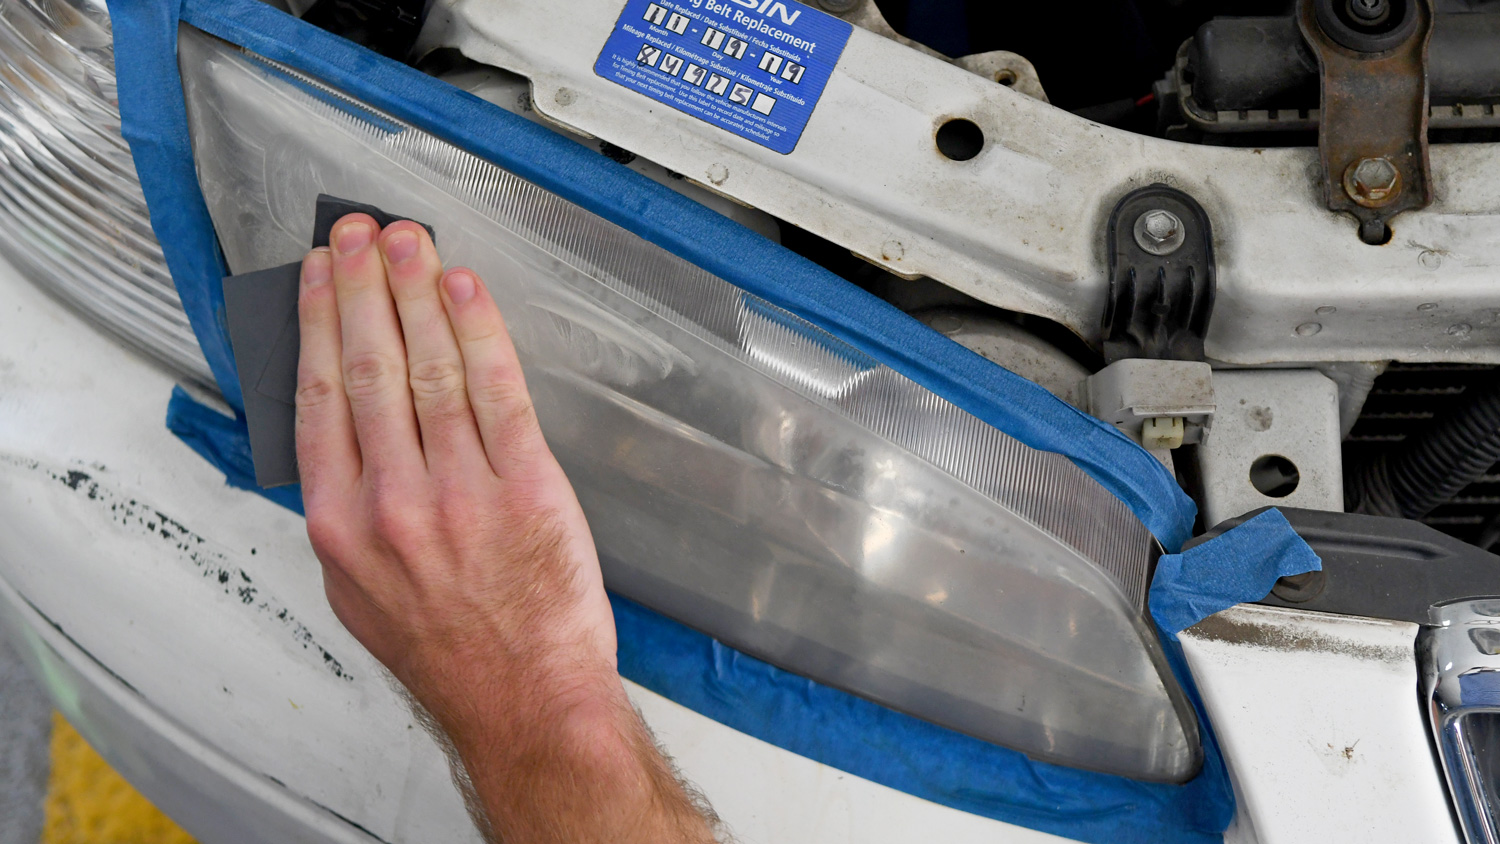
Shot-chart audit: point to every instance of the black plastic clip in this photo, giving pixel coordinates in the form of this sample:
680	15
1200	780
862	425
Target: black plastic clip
1161	277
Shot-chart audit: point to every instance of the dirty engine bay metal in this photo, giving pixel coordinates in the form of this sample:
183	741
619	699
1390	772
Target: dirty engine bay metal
1269	210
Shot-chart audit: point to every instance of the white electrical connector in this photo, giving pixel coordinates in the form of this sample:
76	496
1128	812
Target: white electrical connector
1162	432
1162	404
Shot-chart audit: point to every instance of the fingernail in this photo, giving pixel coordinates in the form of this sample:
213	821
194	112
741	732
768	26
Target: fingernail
352	237
461	286
401	246
317	267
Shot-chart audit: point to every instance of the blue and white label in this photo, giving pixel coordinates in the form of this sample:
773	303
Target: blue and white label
753	67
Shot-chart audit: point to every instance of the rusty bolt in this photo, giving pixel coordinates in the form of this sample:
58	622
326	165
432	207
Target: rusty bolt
1159	232
1372	182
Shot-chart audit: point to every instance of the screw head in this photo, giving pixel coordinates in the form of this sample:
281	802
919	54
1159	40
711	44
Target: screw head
1372	182
1369	10
839	7
1159	232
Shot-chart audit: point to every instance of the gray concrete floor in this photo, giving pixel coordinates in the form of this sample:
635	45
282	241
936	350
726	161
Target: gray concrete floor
25	729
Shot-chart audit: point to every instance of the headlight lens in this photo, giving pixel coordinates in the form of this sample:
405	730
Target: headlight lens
744	471
72	216
1461	653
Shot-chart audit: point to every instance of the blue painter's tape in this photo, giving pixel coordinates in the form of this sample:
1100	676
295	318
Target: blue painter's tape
755	68
148	84
225	442
1239	565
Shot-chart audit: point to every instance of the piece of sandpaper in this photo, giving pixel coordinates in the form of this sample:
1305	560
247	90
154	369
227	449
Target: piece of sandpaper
331	209
261	309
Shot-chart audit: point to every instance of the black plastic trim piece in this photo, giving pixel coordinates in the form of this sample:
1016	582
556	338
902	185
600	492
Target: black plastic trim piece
1377	567
1159	305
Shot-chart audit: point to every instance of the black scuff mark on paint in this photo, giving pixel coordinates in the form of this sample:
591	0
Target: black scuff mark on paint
349	822
75	479
282	785
215	566
81	649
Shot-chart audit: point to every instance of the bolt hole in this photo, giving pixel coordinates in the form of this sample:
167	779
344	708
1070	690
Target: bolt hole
1274	476
1006	78
1375	232
959	139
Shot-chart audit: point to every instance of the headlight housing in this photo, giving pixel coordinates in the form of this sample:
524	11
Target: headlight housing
72	216
744	471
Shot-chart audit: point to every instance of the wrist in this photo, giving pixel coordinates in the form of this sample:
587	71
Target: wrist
498	713
569	751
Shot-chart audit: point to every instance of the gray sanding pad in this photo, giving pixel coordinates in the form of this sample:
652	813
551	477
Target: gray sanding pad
261	309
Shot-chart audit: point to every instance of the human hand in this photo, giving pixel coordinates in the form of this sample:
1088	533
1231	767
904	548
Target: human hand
454	548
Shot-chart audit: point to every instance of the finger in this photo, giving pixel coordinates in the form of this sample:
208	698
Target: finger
374	355
327	452
497	391
434	363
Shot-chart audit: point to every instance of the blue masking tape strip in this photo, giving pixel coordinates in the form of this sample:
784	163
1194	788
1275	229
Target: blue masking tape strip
151	91
912	755
1239	565
789	711
225	442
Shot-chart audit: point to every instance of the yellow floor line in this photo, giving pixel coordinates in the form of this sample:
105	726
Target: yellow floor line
88	803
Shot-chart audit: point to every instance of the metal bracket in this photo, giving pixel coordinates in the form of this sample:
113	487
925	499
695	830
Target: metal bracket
1161	276
1372	56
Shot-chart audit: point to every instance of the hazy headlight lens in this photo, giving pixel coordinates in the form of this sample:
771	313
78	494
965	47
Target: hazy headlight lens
72	216
744	471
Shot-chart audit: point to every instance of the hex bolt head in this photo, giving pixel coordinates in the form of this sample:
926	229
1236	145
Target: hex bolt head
1159	232
1372	182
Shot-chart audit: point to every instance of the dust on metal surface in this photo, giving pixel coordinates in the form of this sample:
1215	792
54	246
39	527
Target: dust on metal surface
1289	630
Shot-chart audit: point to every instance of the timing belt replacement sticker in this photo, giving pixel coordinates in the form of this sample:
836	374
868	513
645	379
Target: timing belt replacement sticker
753	67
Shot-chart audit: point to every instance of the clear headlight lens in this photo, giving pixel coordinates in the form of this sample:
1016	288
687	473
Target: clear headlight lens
1461	675
72	216
744	471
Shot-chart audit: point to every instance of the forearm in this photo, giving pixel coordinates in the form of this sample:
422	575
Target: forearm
577	767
